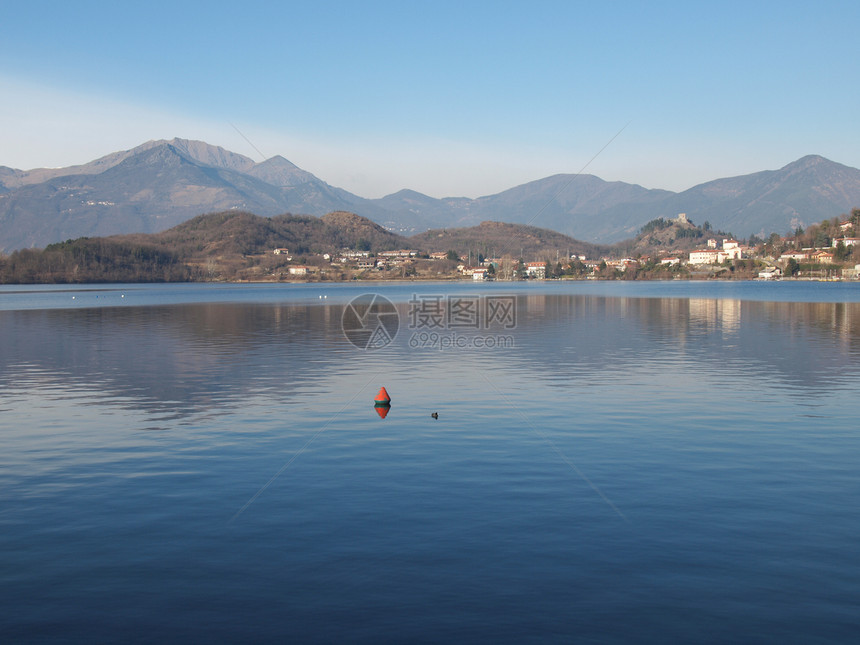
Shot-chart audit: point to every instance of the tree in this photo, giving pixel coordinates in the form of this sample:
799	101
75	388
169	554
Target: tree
452	255
520	269
792	268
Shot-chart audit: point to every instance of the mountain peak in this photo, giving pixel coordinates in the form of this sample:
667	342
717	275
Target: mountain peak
279	161
407	193
281	172
209	155
809	161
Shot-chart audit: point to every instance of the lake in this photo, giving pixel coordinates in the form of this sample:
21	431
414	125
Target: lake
611	462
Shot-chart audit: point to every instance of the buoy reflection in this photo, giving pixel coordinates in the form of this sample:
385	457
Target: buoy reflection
382	410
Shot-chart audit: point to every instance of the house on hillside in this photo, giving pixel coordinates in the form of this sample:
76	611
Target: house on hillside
536	270
852	274
400	253
847	241
770	273
704	256
797	256
366	263
623	264
732	252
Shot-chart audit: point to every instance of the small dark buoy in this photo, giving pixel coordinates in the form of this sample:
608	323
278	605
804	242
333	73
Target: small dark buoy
435	415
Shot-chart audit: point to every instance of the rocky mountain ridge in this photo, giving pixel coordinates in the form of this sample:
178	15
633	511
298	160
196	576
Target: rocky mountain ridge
160	184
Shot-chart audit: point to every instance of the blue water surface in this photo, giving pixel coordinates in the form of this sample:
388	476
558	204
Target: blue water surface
672	462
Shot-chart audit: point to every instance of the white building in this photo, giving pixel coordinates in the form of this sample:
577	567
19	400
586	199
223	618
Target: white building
770	273
704	256
847	241
400	253
851	274
731	250
536	270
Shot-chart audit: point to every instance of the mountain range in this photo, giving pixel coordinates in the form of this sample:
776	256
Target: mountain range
160	184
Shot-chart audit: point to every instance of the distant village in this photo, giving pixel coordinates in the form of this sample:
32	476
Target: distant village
717	257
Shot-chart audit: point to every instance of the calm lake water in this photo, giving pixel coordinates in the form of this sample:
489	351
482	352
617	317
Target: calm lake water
611	463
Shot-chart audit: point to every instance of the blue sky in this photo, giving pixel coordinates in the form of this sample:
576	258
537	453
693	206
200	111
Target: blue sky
447	98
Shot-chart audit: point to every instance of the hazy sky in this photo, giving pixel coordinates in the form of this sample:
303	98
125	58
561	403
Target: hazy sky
461	98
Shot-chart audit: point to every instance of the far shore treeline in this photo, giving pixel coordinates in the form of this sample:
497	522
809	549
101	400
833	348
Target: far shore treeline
240	246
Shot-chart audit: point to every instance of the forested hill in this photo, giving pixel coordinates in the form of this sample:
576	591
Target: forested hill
178	254
236	242
496	239
247	234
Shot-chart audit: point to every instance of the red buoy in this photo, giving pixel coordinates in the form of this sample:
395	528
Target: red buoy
382	410
382	397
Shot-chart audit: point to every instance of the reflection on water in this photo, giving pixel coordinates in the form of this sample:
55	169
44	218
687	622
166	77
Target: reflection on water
189	358
721	429
185	358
